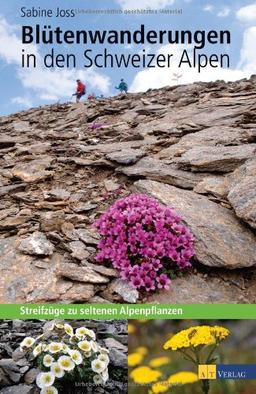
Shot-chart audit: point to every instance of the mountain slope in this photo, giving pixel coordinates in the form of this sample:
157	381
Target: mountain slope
193	147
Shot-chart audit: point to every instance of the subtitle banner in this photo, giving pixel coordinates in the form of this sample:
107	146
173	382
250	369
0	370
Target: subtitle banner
127	311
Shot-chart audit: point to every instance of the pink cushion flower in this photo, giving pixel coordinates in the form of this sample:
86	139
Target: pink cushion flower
144	240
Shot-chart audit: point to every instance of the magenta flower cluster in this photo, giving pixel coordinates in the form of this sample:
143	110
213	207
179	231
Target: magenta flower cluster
143	240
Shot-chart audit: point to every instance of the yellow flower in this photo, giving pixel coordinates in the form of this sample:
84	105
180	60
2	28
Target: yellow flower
160	387
183	378
144	375
196	336
142	350
131	328
134	359
159	361
220	332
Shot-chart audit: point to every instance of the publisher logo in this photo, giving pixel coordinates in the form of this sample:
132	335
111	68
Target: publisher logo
227	371
207	371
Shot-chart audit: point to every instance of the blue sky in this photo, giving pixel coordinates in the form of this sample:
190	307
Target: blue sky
24	88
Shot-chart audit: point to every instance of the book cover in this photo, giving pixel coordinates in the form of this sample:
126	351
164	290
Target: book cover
127	182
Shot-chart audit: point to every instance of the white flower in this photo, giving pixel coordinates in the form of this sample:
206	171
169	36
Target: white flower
39	337
55	347
91	334
37	350
81	332
68	329
98	366
27	342
48	360
87	354
104	357
104	375
65	348
57	370
59	326
94	346
73	340
49	390
66	363
45	347
97	379
85	346
103	350
45	379
76	356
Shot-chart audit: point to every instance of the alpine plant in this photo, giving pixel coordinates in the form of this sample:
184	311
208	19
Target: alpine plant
145	241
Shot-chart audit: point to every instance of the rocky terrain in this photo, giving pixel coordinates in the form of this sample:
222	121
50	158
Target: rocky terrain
18	371
193	147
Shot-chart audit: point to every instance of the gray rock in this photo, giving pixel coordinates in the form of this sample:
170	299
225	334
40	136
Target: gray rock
31	375
196	289
157	170
79	292
124	290
89	237
110	185
10	188
78	250
51	220
112	343
36	244
21	126
20	389
216	159
83	207
118	358
18	354
11	369
80	274
33	171
221	240
212	136
56	194
218	186
101	269
21	281
242	193
125	157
